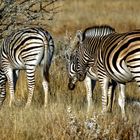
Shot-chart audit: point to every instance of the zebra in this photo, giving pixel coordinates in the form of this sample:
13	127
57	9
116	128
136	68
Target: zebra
89	82
91	75
117	57
25	49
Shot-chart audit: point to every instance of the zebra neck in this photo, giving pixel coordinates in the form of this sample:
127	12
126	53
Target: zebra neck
91	73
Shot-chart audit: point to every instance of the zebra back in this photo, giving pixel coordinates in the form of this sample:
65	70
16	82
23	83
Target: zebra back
97	31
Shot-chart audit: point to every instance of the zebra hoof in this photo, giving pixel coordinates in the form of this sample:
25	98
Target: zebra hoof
71	86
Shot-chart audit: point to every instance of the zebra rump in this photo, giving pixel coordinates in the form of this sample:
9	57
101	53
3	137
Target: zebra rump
24	50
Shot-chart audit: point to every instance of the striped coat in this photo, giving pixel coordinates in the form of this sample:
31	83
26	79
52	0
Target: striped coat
116	57
24	50
84	43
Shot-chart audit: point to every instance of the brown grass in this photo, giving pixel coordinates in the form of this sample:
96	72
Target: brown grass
122	15
56	122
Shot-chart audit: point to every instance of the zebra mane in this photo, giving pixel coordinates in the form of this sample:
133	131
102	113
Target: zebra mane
98	31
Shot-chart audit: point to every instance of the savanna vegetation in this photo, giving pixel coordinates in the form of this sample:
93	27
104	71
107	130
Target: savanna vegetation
66	118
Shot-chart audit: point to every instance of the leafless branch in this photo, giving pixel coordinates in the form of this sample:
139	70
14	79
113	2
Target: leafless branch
15	14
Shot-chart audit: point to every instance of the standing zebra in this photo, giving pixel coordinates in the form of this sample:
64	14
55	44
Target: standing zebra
91	75
24	50
117	56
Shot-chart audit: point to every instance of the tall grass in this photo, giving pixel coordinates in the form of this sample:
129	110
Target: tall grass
66	117
78	14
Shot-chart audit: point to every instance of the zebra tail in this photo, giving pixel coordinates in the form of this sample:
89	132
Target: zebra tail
49	51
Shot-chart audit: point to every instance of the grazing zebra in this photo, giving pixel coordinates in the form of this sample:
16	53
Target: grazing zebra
91	75
25	50
88	81
117	56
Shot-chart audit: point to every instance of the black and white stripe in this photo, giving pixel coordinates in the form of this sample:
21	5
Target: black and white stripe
89	81
25	49
117	57
73	68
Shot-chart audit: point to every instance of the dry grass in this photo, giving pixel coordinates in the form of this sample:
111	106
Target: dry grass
122	15
59	121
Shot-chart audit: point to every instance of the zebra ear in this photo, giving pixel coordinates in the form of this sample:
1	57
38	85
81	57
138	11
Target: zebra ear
79	35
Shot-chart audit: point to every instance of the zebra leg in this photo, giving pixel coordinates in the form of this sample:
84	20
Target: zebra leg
89	89
31	85
3	92
104	86
45	87
15	74
121	99
45	83
109	100
9	75
110	95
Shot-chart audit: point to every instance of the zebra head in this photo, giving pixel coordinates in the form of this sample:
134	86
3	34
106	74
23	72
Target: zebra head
71	57
72	69
81	67
72	60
